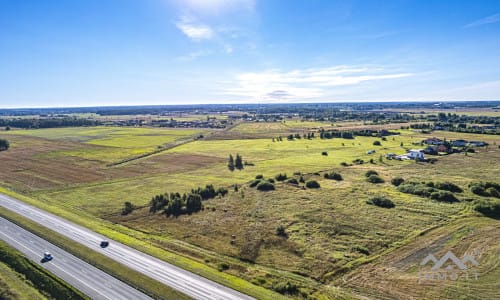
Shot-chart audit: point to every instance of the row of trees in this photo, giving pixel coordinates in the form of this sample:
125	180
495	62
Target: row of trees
235	163
48	122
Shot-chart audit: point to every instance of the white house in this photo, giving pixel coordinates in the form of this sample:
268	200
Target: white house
418	154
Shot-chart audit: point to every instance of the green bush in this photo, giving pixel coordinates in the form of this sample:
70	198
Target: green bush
370	173
293	181
358	161
443	196
381	202
285	288
255	182
259	176
281	177
448	186
265	186
280	231
375	179
493	192
377	143
397	181
312	184
489	208
361	249
334	176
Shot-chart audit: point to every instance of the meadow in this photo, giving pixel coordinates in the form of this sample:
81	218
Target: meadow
332	234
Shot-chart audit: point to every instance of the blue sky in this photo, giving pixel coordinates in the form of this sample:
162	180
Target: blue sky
129	52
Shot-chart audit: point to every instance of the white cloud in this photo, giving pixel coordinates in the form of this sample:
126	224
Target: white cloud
195	30
487	20
275	85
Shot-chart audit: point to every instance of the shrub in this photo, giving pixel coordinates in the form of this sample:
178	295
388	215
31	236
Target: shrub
361	249
293	181
377	143
396	181
270	180
324	153
333	175
443	196
470	150
478	190
265	186
259	176
280	231
375	179
370	173
493	192
489	208
128	208
358	161
222	267
418	189
285	288
312	184
301	179
255	182
4	145
344	164
281	177
448	186
381	202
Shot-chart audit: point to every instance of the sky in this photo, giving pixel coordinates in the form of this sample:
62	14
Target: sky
159	52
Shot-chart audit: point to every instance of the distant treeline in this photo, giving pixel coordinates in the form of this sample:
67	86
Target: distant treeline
352	133
48	122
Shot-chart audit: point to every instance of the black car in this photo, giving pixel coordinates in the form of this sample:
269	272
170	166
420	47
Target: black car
104	244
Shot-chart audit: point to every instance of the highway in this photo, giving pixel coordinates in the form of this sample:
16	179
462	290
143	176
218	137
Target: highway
84	277
184	281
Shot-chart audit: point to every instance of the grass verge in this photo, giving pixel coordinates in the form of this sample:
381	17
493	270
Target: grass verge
133	278
43	280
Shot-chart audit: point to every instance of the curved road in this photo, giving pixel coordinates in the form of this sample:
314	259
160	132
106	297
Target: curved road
184	281
84	277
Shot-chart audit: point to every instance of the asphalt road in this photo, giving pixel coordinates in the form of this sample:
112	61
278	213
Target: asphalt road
84	277
184	281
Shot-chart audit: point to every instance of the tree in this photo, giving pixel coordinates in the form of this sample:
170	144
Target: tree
4	145
230	163
193	203
128	208
238	162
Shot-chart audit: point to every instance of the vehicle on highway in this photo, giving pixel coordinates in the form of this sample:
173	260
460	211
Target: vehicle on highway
47	257
104	244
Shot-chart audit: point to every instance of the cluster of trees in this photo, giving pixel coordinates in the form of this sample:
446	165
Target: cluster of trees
175	204
442	191
4	145
51	122
235	163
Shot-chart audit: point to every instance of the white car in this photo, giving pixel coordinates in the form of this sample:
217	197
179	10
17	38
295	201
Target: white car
47	256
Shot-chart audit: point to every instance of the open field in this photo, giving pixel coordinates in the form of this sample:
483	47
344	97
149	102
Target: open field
331	232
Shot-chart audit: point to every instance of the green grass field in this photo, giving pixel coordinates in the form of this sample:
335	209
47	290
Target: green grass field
331	231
